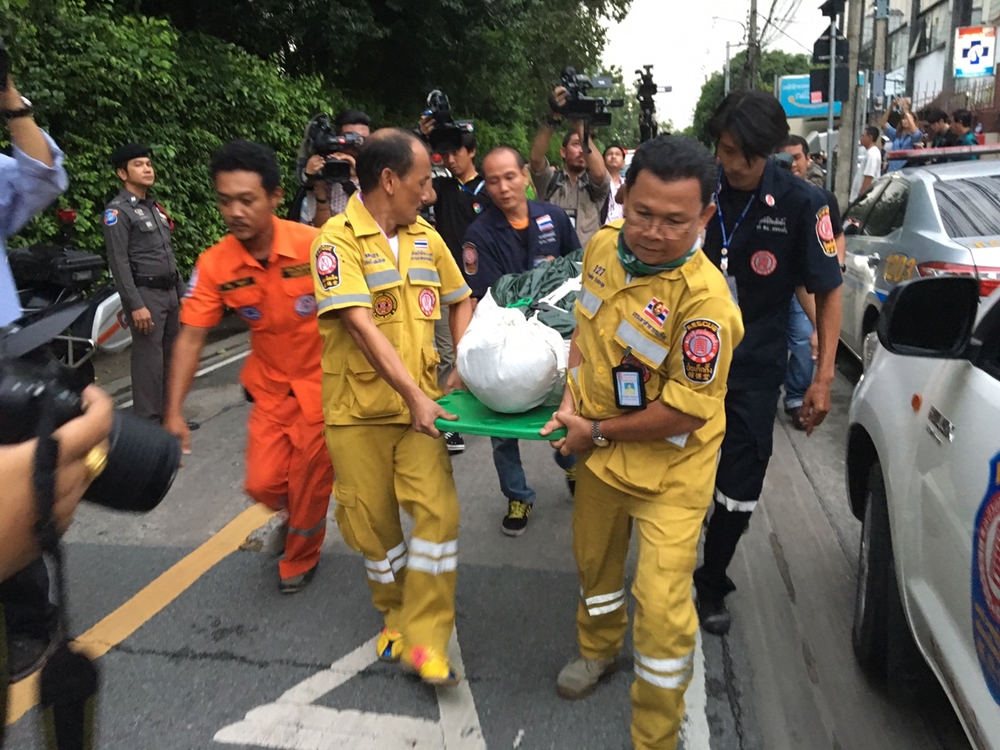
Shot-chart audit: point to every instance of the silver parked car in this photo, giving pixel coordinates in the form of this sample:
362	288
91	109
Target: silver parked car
942	219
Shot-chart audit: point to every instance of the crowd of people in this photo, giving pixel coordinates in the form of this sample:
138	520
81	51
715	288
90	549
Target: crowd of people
698	272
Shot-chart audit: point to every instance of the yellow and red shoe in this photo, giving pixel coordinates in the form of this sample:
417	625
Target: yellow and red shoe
390	645
430	666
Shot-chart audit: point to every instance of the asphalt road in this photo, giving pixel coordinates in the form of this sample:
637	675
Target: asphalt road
200	651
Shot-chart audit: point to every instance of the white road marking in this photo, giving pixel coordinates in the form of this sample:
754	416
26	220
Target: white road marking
294	722
694	728
202	371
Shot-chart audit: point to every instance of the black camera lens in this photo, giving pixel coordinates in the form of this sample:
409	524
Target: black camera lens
142	463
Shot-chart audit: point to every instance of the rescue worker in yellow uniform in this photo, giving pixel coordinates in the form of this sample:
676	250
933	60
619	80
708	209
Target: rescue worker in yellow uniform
644	409
381	275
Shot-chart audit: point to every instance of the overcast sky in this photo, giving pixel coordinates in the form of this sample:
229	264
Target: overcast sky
685	44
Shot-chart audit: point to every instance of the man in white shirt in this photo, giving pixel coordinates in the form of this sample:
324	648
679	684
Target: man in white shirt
614	161
871	166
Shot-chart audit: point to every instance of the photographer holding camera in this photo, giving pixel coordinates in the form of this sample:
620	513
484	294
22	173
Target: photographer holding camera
582	186
326	183
29	181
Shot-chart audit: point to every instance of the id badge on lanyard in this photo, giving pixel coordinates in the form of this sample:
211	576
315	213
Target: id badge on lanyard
727	239
627	379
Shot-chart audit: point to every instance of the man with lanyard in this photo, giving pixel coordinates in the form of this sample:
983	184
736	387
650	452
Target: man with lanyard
513	236
261	270
141	257
461	199
772	233
381	275
644	410
29	182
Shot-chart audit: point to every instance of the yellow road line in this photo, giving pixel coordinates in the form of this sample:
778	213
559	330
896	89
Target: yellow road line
138	610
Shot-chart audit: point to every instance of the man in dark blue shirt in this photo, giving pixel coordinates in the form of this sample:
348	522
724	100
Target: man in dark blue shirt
514	235
773	232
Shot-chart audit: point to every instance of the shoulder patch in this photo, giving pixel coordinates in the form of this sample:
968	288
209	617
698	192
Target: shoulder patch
328	266
824	231
110	217
470	259
700	347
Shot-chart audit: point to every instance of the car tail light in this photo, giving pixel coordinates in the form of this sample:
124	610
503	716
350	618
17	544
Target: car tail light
989	277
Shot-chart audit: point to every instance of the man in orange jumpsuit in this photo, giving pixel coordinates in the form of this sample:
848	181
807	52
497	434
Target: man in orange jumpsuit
261	270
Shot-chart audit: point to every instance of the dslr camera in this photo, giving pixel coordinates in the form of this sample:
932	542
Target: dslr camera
325	141
447	133
580	106
40	394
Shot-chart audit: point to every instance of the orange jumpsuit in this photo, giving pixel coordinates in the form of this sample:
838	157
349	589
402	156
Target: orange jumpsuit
288	465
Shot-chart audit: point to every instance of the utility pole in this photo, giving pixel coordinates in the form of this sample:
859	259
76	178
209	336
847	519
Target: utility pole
752	48
726	73
852	107
879	56
831	99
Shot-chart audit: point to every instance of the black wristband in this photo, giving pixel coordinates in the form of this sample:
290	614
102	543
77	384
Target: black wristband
13	114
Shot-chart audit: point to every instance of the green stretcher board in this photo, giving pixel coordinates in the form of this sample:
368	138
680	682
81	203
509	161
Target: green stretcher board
475	418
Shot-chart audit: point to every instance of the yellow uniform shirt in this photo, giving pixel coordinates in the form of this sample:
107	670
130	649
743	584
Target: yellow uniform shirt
353	266
682	327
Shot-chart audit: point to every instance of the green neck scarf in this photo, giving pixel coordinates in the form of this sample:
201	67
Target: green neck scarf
637	268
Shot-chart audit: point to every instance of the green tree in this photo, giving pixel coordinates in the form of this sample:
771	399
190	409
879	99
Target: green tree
773	64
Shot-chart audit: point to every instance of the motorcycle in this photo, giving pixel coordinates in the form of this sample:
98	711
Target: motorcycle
54	277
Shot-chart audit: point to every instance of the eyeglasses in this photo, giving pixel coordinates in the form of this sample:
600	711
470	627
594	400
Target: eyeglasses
671	228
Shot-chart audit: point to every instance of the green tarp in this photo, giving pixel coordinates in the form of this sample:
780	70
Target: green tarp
524	290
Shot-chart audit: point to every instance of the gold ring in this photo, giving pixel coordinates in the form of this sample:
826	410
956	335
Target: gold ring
95	461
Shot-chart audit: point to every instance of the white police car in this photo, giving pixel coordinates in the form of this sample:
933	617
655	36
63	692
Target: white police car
923	475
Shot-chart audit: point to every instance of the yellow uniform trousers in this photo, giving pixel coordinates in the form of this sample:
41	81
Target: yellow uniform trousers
385	468
665	618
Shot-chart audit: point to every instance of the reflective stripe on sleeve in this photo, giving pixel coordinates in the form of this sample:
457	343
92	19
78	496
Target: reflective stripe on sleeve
434	567
649	349
604	603
344	300
589	301
398	557
308	532
462	291
433	557
433	549
741	506
665	665
669	682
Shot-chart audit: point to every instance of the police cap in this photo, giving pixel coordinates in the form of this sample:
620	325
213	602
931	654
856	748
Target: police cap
123	155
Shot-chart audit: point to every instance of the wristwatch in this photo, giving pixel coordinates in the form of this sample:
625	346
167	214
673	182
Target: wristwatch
13	114
595	432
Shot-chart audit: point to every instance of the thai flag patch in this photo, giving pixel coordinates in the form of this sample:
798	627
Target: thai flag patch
420	244
657	312
545	223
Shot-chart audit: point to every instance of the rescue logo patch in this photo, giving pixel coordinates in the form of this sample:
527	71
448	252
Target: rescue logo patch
700	347
545	223
824	231
477	207
249	314
631	359
427	301
470	259
986	582
192	284
384	305
110	217
229	286
328	266
295	272
763	262
305	305
657	312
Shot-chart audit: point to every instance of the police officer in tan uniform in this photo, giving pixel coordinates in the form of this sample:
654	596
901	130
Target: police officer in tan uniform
644	410
137	234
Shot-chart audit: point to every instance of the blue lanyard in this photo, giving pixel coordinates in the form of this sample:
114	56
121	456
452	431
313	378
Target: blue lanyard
475	192
728	238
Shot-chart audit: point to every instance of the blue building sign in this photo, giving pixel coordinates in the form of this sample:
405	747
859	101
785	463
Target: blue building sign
793	93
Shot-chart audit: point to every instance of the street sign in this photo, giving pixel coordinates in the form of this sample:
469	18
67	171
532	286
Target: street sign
794	95
975	51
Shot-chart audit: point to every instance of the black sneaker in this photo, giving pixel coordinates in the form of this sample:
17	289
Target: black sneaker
516	520
295	584
713	614
25	656
455	442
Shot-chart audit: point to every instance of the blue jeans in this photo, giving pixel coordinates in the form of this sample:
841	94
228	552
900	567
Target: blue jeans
799	374
507	459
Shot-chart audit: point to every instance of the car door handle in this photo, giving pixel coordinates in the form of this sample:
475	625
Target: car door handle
873	260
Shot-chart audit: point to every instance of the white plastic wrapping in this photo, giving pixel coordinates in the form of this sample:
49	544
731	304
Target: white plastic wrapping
510	363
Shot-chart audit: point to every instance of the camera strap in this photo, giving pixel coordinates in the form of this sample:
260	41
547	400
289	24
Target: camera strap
69	680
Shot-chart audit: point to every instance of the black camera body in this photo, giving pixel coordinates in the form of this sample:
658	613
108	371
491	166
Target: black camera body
580	106
325	141
447	132
37	391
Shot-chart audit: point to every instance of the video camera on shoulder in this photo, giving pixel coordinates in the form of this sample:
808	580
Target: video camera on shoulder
325	141
580	106
447	133
40	394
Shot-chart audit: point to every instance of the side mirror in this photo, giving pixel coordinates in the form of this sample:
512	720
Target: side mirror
930	317
851	228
